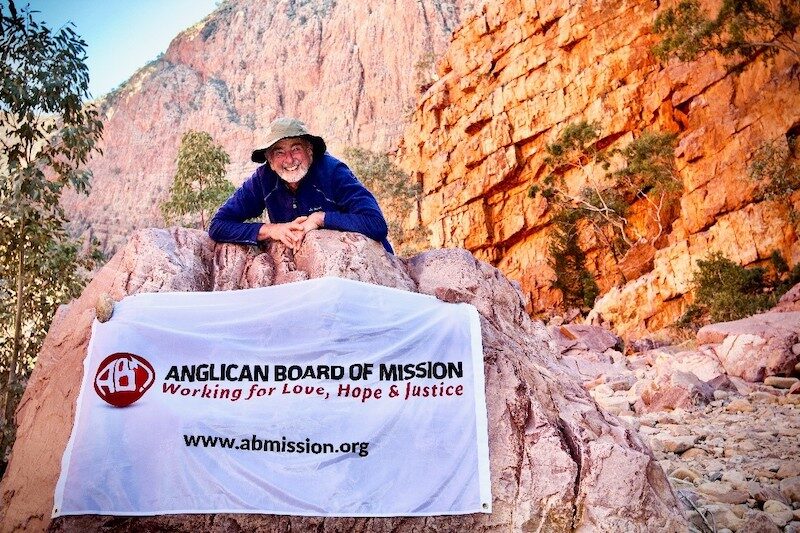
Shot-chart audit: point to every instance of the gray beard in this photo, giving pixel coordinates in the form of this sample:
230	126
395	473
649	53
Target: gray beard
293	177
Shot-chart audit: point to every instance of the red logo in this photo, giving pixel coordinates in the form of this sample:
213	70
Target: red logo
123	378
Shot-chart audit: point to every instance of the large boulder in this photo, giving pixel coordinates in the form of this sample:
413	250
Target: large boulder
756	347
558	462
674	390
789	301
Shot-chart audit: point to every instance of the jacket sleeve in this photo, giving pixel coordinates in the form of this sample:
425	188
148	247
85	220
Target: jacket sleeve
359	211
228	224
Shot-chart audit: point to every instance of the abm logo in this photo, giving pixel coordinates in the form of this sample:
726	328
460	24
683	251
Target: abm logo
123	378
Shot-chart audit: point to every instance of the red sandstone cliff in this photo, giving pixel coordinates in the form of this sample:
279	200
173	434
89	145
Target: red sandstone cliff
515	74
518	72
350	69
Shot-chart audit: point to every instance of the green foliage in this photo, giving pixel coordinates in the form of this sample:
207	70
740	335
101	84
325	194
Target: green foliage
650	165
646	172
199	186
776	168
568	261
576	148
47	135
726	291
396	194
775	165
575	145
741	30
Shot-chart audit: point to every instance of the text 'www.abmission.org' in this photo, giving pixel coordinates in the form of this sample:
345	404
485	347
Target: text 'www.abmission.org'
283	445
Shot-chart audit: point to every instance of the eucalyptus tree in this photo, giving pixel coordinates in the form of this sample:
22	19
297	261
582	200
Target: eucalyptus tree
199	186
47	135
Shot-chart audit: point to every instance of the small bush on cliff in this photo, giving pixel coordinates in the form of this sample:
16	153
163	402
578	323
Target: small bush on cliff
199	186
47	137
578	287
726	291
396	194
776	168
644	172
742	30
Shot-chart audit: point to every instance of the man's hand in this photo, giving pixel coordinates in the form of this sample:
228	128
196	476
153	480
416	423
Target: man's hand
289	233
313	221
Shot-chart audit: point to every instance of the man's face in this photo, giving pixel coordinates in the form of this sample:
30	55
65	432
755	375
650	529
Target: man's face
290	158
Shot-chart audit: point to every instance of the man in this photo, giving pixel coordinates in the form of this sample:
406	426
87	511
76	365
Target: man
302	188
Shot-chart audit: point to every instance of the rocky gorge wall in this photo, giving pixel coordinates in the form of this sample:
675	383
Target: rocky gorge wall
518	72
244	65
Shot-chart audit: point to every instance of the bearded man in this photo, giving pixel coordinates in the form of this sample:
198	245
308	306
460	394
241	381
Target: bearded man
303	188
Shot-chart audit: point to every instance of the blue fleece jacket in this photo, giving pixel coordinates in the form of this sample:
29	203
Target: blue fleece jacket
329	186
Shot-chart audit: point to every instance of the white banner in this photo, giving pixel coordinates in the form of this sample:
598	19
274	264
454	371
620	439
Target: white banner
327	397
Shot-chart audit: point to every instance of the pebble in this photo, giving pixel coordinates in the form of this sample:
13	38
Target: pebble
621	383
723	492
694	453
631	421
602	390
789	469
780	382
675	444
740	405
723	517
790	488
721	394
747	445
761	396
758	522
779	513
614	404
736	478
685	474
791	400
648	430
764	493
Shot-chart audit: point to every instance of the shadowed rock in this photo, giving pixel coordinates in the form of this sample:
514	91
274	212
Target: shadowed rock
558	463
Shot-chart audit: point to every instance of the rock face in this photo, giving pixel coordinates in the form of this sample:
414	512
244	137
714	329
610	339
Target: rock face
518	72
558	463
756	347
244	65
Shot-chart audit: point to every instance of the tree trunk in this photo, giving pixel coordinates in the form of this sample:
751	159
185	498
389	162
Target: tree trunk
8	408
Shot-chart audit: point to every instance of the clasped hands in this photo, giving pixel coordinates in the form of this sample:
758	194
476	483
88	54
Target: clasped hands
292	233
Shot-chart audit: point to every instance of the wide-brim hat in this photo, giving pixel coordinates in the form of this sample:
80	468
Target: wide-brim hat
282	128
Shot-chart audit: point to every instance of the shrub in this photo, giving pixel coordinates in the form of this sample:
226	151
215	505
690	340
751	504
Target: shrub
741	30
645	171
726	291
396	194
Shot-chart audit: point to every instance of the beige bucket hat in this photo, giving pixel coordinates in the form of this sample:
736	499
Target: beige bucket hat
284	127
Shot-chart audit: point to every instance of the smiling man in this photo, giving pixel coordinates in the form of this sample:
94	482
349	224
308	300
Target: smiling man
303	188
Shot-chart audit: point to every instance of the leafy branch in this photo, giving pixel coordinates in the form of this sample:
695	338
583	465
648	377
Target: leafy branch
645	173
742	30
397	195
